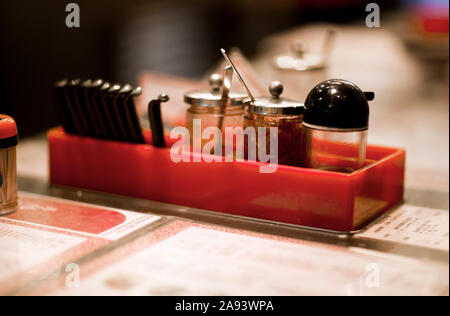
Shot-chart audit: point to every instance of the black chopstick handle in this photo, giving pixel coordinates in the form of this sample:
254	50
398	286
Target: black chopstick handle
132	117
110	113
97	104
63	108
90	86
156	124
77	95
69	91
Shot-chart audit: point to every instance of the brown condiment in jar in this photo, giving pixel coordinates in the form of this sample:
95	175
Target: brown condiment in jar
8	172
335	126
212	109
286	115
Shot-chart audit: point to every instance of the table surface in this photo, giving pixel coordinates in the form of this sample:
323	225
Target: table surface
434	261
405	114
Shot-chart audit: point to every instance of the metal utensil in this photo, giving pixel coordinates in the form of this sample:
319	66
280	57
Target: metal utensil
86	116
154	115
132	117
110	114
224	53
226	83
97	104
64	109
70	90
120	113
226	86
90	86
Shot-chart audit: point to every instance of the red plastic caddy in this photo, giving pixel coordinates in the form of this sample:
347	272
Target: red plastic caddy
292	195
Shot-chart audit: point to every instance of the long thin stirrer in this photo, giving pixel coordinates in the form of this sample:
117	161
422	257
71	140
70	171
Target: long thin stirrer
237	72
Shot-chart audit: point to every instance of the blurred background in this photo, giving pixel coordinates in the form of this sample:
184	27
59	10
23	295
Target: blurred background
117	39
405	60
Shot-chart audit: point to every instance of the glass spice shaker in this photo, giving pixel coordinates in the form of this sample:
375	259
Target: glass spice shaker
8	173
303	67
335	126
282	113
212	109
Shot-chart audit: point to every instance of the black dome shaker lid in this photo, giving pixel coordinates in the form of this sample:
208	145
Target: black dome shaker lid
337	104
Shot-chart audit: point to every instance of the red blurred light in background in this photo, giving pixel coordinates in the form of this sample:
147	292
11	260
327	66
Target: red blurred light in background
434	18
435	25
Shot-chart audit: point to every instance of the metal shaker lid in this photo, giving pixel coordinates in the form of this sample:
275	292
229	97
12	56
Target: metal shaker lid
275	105
337	104
213	97
8	131
303	60
300	60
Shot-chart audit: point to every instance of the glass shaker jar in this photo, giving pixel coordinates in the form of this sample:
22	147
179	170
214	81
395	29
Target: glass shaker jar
286	115
213	109
8	173
303	67
335	126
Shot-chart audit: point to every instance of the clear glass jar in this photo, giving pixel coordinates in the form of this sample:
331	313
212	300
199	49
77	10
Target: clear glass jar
214	116
289	136
217	107
340	151
8	173
274	111
302	67
335	125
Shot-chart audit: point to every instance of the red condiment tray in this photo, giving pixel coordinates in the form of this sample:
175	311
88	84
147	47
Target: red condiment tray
298	196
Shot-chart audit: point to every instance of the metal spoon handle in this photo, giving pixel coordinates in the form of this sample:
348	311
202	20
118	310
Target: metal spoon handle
226	85
224	53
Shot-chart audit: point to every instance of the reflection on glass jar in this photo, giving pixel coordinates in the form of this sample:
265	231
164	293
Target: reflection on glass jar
341	151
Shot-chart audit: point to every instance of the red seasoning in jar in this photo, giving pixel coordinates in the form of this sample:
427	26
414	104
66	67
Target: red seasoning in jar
284	114
8	173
